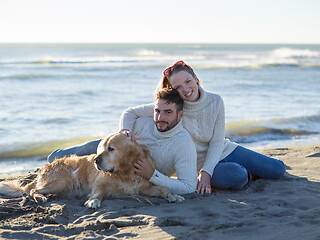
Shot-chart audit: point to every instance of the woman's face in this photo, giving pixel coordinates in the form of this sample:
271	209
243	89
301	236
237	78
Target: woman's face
186	85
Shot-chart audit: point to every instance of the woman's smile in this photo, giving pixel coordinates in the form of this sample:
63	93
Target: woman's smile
186	85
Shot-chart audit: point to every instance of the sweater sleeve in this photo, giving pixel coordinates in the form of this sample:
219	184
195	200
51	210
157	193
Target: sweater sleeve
130	115
216	143
185	164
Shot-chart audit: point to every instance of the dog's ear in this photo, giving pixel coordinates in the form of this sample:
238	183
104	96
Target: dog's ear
131	148
131	155
146	152
132	151
149	158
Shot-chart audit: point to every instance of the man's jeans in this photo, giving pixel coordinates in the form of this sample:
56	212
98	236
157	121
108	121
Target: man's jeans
79	150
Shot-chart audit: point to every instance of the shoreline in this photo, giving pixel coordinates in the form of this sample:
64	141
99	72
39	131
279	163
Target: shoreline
285	208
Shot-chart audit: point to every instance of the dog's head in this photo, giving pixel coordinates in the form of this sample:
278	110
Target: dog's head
117	153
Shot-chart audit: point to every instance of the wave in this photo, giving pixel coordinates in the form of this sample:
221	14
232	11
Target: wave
282	57
255	60
200	58
248	131
256	133
255	65
146	52
294	53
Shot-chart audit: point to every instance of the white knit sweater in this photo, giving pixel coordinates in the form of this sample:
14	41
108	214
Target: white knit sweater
204	119
173	151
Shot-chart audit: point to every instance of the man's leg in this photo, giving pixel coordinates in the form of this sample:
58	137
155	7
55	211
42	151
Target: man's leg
79	150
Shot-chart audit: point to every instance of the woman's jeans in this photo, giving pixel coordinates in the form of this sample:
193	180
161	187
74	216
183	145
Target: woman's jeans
233	171
230	173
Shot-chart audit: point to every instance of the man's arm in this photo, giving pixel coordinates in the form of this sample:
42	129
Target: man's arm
130	115
185	163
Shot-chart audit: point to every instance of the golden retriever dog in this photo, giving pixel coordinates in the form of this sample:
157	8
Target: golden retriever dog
109	173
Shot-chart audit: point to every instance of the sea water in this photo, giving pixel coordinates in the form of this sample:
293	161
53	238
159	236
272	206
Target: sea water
57	95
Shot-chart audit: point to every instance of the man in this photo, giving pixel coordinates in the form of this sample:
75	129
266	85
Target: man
169	144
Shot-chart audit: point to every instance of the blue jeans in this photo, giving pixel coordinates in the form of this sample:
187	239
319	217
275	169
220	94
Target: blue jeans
79	150
233	171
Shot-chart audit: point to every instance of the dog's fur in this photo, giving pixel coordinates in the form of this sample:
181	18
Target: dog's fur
108	173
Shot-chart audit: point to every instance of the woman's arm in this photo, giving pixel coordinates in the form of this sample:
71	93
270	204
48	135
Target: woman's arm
130	115
216	143
214	152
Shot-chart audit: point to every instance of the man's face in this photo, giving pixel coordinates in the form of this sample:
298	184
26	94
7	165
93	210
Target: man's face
165	115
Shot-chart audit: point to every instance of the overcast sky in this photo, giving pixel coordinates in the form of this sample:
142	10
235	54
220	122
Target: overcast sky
161	21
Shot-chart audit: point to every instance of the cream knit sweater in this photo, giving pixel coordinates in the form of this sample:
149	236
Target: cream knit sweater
173	151
205	122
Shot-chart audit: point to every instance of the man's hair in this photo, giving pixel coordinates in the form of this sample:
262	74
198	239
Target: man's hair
170	96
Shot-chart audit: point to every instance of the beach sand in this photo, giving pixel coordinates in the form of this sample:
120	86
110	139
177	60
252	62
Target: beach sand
286	208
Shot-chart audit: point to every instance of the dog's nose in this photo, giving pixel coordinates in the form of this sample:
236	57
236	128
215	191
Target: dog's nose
97	160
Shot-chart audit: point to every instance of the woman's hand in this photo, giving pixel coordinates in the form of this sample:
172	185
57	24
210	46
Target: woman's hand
129	134
143	168
203	185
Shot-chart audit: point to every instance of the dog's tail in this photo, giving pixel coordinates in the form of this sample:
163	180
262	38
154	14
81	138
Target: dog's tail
12	189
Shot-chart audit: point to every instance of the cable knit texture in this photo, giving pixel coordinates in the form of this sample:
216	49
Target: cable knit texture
173	151
204	119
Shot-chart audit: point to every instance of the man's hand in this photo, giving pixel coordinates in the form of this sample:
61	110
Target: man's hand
203	185
143	168
129	134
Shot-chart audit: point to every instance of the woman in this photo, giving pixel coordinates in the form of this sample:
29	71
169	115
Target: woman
223	163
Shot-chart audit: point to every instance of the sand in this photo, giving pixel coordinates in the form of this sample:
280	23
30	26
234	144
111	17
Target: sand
287	208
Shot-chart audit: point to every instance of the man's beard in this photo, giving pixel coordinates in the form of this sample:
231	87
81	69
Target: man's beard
169	126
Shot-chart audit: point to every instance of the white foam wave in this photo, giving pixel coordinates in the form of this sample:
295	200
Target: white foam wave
146	52
294	53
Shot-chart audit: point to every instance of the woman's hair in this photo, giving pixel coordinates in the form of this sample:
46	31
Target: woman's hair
175	68
170	96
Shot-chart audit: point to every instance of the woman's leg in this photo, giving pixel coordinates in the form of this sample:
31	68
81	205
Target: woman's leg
229	175
79	150
256	163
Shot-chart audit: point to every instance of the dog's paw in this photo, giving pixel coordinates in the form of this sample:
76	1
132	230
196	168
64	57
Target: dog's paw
178	198
39	198
93	203
175	198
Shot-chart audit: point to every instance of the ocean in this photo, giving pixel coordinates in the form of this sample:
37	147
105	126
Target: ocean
58	95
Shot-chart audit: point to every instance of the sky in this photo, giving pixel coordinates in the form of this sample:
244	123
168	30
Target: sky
160	21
